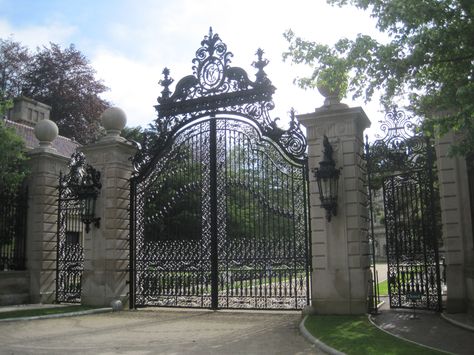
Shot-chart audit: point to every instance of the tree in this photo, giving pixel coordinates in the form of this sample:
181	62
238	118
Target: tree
65	80
14	59
428	59
13	158
61	78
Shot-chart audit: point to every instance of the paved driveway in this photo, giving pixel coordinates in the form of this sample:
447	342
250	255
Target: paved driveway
158	332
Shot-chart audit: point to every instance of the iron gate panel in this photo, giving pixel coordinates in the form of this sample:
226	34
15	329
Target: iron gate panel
70	253
401	165
228	184
219	209
172	226
412	260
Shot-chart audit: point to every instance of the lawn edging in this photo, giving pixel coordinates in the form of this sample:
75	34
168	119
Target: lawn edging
402	338
319	344
59	315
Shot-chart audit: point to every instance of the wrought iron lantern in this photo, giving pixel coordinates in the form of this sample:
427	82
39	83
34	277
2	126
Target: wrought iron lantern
87	193
327	177
83	184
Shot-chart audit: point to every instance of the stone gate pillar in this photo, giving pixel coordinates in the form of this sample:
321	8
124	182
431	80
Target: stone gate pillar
45	163
458	241
340	251
106	249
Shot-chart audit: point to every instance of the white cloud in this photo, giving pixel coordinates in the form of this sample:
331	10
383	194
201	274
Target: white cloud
33	36
130	53
134	85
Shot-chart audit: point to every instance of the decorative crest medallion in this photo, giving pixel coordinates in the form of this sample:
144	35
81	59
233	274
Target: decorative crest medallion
214	88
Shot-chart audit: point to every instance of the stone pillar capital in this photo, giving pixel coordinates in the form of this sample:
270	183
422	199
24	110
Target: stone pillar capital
332	122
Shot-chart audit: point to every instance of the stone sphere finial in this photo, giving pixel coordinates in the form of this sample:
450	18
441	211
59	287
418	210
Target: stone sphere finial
46	131
113	120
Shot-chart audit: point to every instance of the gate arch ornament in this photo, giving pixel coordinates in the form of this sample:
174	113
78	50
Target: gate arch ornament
401	167
219	208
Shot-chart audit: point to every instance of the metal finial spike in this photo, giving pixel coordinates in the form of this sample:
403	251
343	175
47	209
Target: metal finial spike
210	31
292	113
259	53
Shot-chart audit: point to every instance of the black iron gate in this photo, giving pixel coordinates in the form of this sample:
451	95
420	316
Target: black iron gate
401	169
71	227
219	210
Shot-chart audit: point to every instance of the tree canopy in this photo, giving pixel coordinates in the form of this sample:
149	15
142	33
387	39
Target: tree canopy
60	78
427	60
12	158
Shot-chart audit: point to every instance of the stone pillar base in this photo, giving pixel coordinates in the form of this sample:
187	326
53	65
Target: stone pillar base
342	306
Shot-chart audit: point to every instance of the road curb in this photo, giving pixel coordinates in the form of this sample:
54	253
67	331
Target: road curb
319	344
456	323
59	315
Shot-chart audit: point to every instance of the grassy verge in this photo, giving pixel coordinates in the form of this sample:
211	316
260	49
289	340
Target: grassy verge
44	311
383	288
356	335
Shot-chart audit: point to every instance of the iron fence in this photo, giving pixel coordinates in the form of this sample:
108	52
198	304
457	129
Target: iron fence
13	209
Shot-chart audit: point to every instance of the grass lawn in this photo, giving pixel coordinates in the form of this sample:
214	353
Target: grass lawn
383	288
356	335
44	311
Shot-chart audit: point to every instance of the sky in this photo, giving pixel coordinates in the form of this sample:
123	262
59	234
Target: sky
129	42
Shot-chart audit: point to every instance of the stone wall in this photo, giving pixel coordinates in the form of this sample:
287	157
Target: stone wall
14	287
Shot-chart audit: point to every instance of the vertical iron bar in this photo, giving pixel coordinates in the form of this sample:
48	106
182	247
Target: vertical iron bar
131	238
213	193
434	224
58	225
308	233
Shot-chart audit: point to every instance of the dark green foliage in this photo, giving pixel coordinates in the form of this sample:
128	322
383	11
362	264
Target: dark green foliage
13	167
428	59
60	78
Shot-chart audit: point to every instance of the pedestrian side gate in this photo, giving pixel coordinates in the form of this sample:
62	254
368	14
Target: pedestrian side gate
73	224
219	208
401	169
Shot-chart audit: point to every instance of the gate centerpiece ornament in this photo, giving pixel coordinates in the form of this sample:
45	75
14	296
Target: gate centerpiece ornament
214	88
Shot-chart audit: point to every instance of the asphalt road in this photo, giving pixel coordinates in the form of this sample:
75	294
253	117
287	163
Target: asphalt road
158	331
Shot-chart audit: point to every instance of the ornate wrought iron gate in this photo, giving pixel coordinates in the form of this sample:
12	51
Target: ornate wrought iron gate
401	168
71	227
219	210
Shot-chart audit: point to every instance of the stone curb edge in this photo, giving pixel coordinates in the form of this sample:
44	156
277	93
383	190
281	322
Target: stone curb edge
319	344
456	323
59	315
405	339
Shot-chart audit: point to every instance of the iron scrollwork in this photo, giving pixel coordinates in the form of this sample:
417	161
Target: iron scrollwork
216	87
